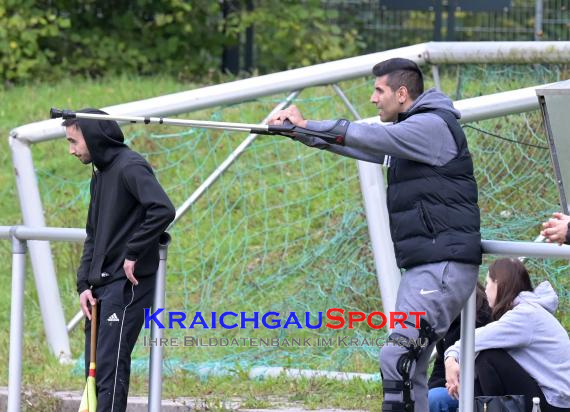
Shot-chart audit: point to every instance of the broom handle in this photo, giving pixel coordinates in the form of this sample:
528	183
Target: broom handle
93	350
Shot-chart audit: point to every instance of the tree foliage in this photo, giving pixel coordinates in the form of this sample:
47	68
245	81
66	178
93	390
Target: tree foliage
46	39
26	30
290	33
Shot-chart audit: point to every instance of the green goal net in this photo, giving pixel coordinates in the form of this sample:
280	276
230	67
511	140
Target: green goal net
284	230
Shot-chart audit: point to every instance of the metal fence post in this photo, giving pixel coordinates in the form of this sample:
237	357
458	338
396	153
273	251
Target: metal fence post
538	16
467	373
16	322
40	251
155	370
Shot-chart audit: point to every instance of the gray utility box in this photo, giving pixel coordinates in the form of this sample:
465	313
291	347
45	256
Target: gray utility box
554	101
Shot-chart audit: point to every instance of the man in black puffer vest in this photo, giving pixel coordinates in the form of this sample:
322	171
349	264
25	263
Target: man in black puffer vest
432	202
128	211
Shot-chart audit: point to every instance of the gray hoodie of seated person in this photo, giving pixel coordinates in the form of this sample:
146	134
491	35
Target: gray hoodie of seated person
534	339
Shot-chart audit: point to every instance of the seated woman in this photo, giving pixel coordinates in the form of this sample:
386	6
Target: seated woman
525	350
438	398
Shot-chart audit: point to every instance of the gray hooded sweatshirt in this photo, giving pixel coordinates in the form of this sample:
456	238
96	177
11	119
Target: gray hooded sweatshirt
371	142
534	339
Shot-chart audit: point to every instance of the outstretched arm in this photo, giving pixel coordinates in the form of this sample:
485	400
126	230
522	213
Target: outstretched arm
293	115
423	138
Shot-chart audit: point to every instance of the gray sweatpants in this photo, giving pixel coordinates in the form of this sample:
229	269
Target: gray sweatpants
441	290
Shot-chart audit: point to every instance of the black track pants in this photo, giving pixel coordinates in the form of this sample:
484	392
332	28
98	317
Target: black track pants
498	374
121	316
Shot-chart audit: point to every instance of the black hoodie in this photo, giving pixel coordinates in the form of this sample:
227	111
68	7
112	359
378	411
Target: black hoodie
128	210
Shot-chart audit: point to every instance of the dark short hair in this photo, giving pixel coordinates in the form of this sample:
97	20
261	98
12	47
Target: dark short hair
71	122
401	72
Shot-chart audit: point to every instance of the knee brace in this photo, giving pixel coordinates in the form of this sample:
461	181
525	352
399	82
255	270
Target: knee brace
404	367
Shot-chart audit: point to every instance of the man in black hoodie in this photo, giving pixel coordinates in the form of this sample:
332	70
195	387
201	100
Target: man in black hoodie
127	214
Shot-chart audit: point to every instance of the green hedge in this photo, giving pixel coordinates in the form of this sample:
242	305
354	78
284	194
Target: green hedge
43	40
26	28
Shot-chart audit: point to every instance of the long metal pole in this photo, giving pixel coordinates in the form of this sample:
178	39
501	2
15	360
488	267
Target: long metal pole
16	324
240	90
472	109
204	124
66	234
538	16
40	251
526	249
155	370
326	73
497	52
466	390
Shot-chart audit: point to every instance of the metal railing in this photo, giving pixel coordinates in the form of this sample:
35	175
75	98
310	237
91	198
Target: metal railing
19	236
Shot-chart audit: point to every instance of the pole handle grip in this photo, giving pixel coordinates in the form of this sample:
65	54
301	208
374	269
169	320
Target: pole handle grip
64	114
286	127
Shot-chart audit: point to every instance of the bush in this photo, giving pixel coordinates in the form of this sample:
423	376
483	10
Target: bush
95	37
289	34
26	27
145	37
44	40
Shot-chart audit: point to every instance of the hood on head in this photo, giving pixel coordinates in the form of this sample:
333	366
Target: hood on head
543	295
104	138
434	99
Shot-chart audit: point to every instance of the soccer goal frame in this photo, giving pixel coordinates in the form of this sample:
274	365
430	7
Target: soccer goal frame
22	139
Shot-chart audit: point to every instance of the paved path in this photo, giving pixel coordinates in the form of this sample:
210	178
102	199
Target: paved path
69	402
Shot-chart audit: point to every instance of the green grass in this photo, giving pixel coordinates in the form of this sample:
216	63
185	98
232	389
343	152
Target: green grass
41	371
260	239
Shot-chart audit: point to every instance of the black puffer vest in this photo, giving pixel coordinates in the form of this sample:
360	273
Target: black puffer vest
434	215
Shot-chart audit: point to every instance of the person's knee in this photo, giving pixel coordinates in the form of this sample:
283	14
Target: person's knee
389	355
488	357
439	400
398	358
490	353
